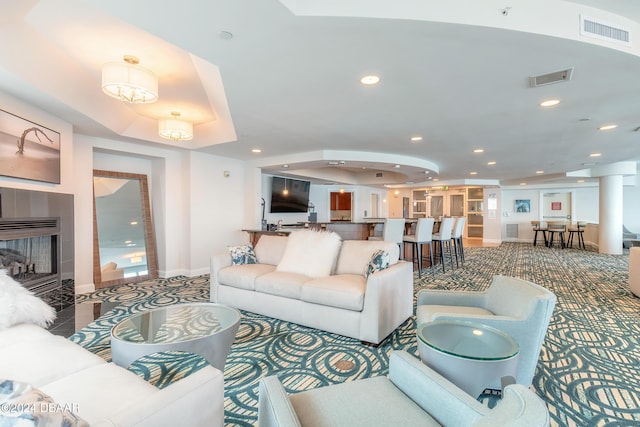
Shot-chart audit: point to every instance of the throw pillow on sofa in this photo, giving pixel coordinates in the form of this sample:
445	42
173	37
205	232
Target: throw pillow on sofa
19	305
311	253
243	254
23	405
378	262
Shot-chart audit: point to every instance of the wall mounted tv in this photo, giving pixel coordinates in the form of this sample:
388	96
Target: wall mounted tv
289	195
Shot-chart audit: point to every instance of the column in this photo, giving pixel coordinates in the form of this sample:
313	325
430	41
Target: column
610	218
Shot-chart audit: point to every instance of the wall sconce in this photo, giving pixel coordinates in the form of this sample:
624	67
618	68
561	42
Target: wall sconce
175	129
129	82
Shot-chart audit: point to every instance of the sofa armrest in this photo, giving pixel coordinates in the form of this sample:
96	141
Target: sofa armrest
518	407
274	406
443	400
446	297
196	400
388	301
218	262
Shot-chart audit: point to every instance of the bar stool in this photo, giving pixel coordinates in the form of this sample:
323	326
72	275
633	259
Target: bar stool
537	227
392	231
579	230
424	234
444	238
456	237
556	228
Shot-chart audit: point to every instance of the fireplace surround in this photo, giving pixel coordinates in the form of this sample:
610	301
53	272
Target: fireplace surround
30	252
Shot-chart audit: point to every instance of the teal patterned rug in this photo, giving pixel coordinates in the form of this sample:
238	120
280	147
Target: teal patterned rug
588	371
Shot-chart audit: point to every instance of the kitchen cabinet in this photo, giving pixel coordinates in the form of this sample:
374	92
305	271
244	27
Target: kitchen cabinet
341	201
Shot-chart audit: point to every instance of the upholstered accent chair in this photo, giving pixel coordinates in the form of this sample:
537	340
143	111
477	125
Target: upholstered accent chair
412	395
520	308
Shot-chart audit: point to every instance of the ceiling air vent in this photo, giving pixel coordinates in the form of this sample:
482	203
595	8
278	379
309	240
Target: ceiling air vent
378	174
549	78
598	29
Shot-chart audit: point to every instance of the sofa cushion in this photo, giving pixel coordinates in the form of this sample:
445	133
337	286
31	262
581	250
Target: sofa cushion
243	276
281	283
341	291
18	305
270	249
355	255
100	391
378	262
311	253
28	352
29	406
325	406
242	254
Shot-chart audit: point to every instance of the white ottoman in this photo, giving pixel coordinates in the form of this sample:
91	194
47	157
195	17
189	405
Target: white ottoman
634	270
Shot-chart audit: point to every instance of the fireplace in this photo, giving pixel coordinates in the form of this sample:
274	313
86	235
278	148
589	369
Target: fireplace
29	251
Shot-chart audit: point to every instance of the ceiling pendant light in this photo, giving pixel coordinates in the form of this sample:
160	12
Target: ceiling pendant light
285	191
175	129
129	82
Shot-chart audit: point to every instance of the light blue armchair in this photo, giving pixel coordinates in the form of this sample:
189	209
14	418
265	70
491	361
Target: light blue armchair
520	308
412	395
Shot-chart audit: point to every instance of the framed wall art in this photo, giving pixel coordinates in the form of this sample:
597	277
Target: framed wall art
28	150
522	206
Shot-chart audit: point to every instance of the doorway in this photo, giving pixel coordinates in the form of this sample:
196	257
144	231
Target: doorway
556	206
341	203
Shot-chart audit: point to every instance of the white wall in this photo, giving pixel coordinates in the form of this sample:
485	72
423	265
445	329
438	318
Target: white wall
631	206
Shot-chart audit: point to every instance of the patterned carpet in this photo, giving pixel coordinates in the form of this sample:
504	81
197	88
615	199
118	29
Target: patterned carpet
588	372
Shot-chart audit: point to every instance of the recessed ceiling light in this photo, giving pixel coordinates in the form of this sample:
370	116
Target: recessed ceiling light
595	154
473	173
369	80
607	127
479	150
436	179
491	163
581	181
550	103
133	223
426	172
416	138
285	166
396	166
256	150
225	35
523	183
539	172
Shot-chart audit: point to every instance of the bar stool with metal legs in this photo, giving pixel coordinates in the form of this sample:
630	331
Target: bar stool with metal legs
556	229
579	230
456	237
537	227
424	232
393	231
444	238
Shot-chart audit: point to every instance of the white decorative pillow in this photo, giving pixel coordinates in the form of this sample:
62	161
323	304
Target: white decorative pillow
23	405
243	254
378	262
310	253
18	305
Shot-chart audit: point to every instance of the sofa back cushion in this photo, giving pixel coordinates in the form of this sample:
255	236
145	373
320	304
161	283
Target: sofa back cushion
355	255
311	253
269	249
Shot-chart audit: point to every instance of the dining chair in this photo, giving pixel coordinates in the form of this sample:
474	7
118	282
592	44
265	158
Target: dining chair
556	228
424	235
539	226
392	231
456	237
579	230
443	237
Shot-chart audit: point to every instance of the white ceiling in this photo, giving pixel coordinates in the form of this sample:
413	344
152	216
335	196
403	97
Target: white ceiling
287	82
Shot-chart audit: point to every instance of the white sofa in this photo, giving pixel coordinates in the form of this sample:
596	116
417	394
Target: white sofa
344	302
101	393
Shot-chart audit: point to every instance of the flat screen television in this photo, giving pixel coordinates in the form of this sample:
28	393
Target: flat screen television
294	199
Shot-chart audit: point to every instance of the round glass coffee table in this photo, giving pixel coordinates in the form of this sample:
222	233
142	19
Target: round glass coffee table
206	329
470	355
